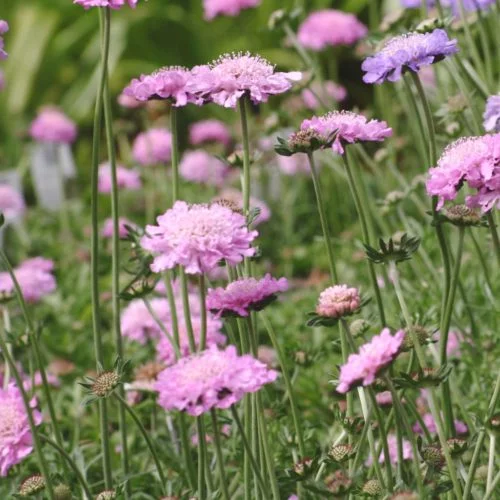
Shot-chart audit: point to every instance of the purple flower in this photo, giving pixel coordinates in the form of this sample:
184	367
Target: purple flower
329	28
338	301
492	114
393	451
211	379
51	125
198	237
16	441
325	91
244	295
152	147
126	178
4	27
411	51
200	167
347	127
12	204
233	196
214	8
112	4
233	75
373	357
469	5
209	131
108	228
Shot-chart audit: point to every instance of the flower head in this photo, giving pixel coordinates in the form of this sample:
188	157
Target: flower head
329	28
294	165
129	102
338	301
325	92
393	451
234	197
373	357
108	228
244	295
492	114
214	8
153	146
112	4
211	379
126	178
346	127
16	441
4	27
411	52
430	423
138	324
198	237
233	75
31	485
12	204
51	125
209	131
200	167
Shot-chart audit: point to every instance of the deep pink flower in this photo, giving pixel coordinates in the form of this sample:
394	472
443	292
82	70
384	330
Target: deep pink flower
123	222
236	197
393	451
244	295
200	167
211	379
214	8
209	131
330	27
16	441
325	91
4	27
430	423
338	301
126	178
12	204
198	237
152	147
112	4
347	127
51	125
233	75
373	357
294	165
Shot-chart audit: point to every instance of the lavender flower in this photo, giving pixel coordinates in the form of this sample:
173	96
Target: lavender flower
4	27
492	114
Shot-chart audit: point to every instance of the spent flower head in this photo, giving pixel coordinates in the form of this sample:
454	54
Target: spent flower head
31	485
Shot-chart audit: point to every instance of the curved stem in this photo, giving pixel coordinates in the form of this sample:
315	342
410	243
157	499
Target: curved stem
220	459
175	153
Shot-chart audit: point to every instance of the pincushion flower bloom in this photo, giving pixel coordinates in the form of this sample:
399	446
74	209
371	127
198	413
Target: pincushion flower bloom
207	131
108	227
234	75
470	160
408	52
392	442
233	196
200	167
4	27
126	178
12	204
329	28
211	379
492	114
294	165
430	423
16	441
214	8
170	82
338	301
52	125
346	127
245	295
326	91
129	102
373	357
112	4
138	325
198	237
152	147
469	5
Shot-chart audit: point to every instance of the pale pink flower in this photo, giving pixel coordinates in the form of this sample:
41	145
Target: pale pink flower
392	441
152	147
137	323
51	125
129	102
12	204
200	167
112	4
294	165
207	131
236	197
51	380
214	8
338	301
107	228
430	423
326	91
384	398
125	177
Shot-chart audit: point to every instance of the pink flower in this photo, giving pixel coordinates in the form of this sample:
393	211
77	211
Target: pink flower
51	125
330	27
347	127
200	167
126	178
38	264
107	228
12	204
327	91
214	8
51	380
233	75
211	379
198	237
384	398
393	451
129	102
4	27
430	423
112	4
153	146
338	301
16	441
244	295
294	165
209	131
373	357
169	83
137	323
236	197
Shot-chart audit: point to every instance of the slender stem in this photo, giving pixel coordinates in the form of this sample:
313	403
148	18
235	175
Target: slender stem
175	153
322	216
188	459
491	462
187	311
494	234
173	309
203	313
491	490
246	155
5	330
220	459
202	457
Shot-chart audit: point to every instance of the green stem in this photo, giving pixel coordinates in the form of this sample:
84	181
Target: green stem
187	311
491	490
218	452
173	308
188	459
491	462
322	215
175	153
494	234
202	457
5	330
203	313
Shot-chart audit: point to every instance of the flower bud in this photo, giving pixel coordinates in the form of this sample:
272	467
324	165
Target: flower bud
31	485
457	446
62	492
104	383
433	456
372	488
418	331
106	495
341	452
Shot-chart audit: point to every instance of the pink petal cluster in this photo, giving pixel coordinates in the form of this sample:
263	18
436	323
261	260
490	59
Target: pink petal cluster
4	27
347	127
373	357
171	82
152	147
16	441
126	178
471	160
294	165
329	28
200	167
138	325
236	197
198	237
12	204
52	380
392	442
384	398
211	379
245	294
51	125
322	94
338	301
35	279
207	131
108	226
430	423
214	8
129	102
233	75
112	4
